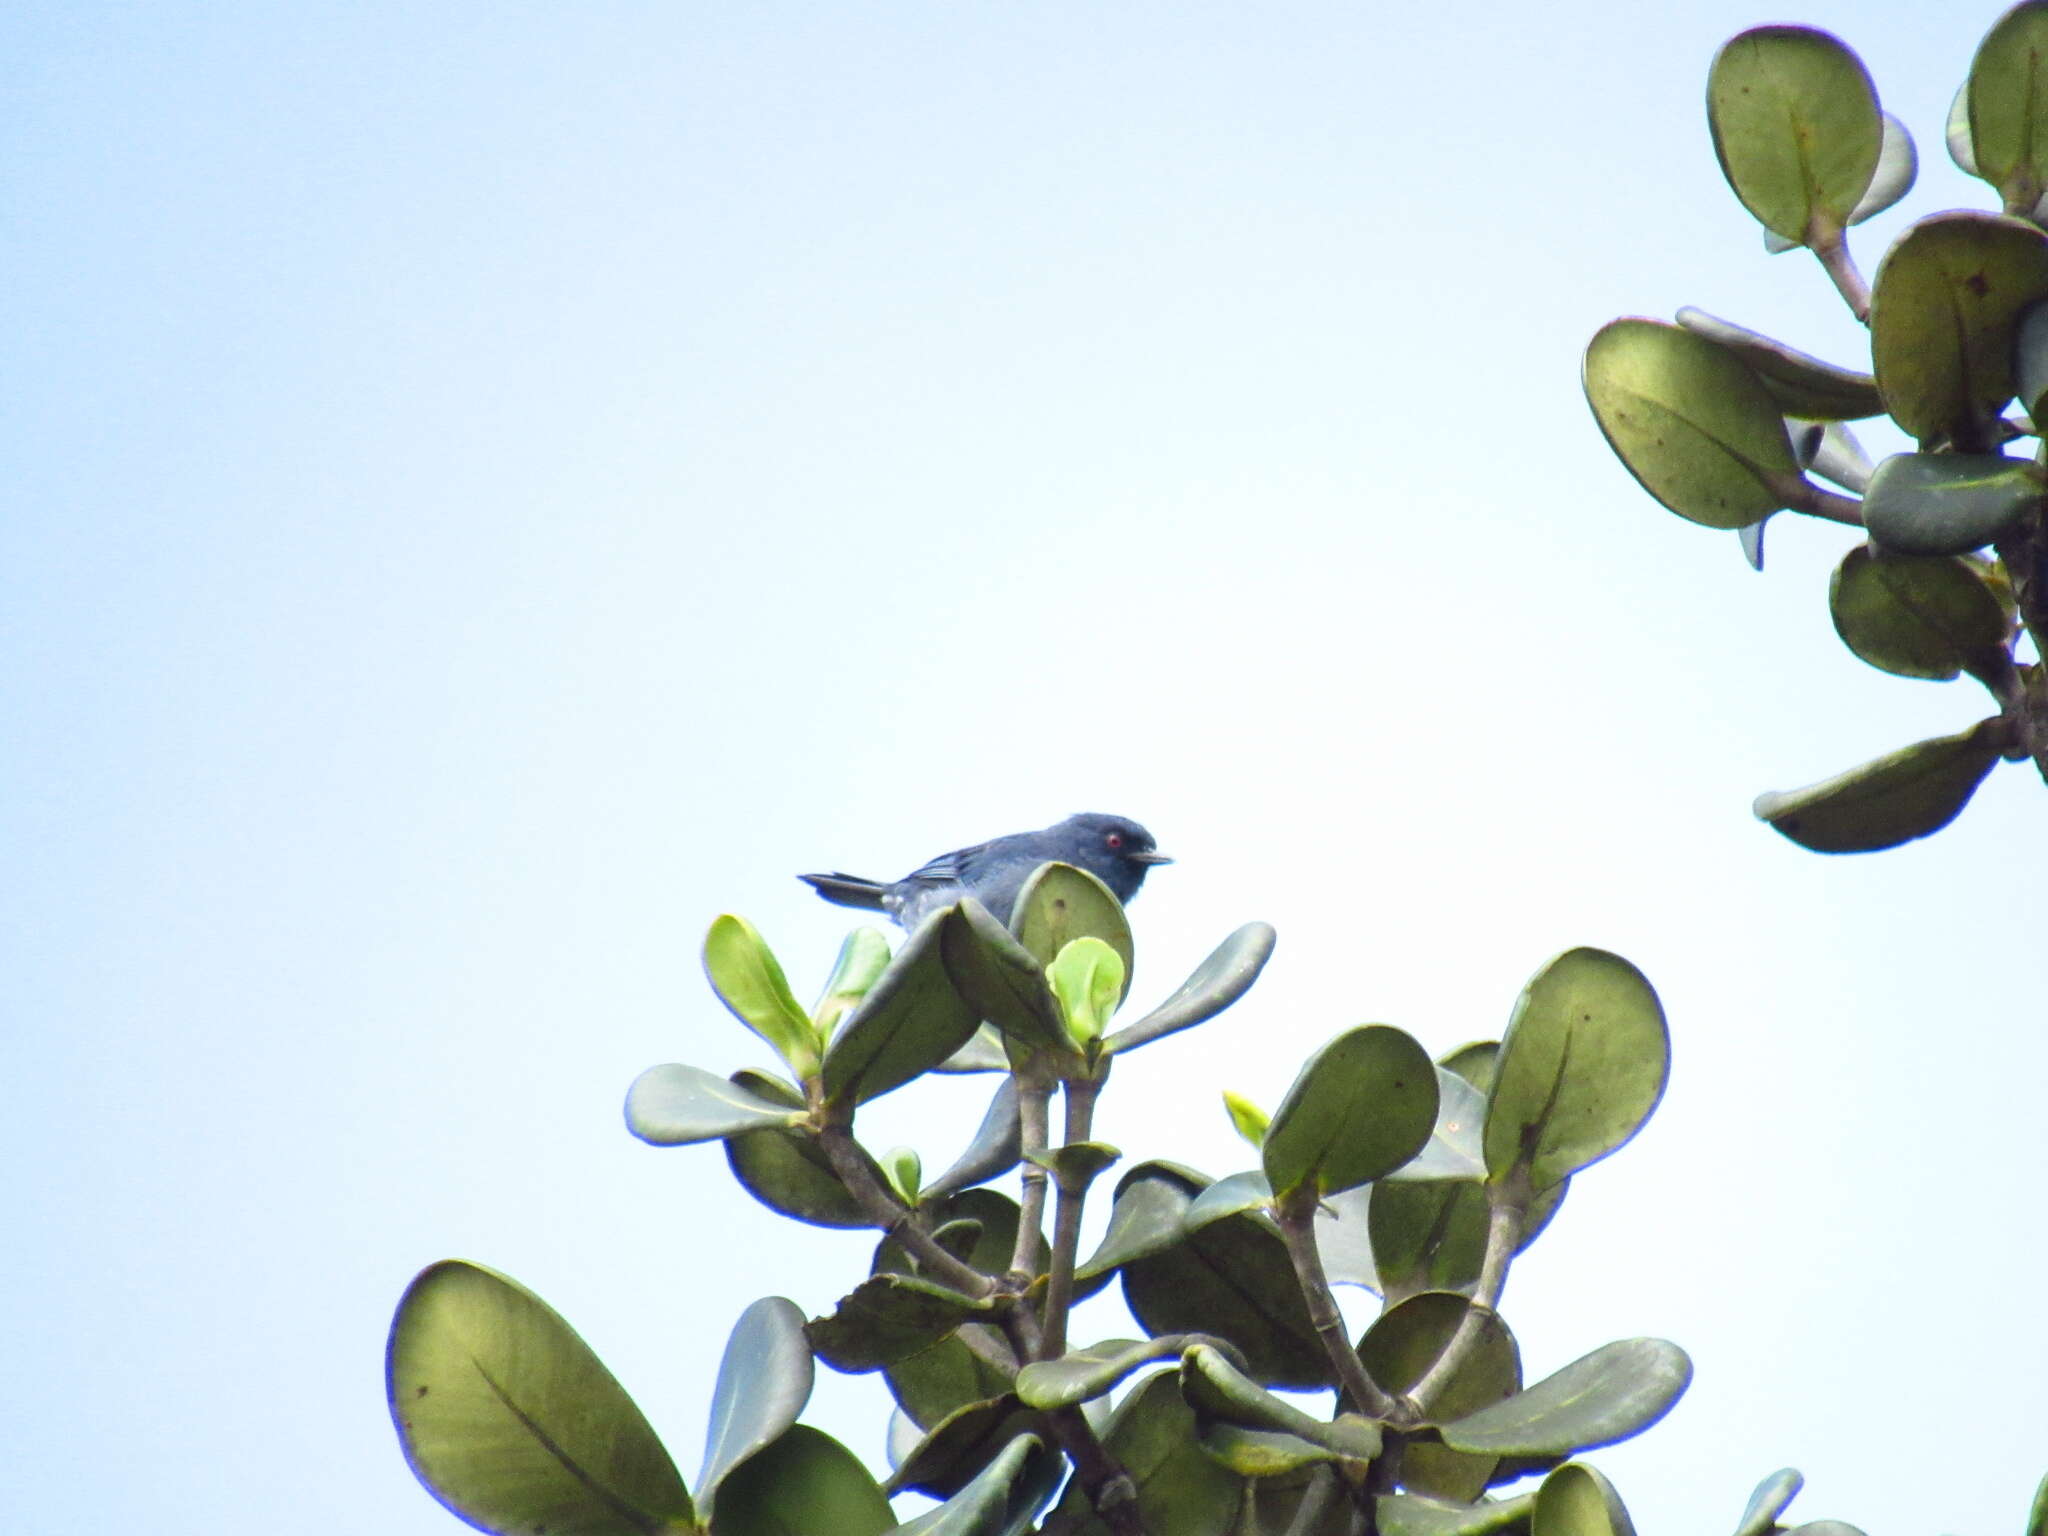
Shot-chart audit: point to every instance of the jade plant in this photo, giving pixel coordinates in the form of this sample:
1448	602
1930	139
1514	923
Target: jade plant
1241	1402
1728	427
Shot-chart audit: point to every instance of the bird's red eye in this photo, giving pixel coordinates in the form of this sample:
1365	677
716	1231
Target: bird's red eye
1115	839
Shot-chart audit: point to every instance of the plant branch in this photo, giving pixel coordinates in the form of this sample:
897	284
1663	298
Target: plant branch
857	1172
1833	252
1110	1490
1066	1225
1034	1114
1297	1217
1802	495
1507	1213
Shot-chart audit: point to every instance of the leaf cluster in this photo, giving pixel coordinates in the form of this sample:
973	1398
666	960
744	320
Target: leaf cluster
1727	427
1245	1405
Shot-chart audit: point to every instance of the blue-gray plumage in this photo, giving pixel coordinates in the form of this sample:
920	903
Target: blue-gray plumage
1114	849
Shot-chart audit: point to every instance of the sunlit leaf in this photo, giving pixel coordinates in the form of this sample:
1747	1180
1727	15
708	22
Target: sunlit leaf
1796	126
1893	799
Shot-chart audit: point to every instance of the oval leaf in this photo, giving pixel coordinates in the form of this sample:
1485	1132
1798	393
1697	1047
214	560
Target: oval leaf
674	1105
1768	1502
805	1481
511	1422
1216	1389
887	1318
1087	976
1801	385
1001	980
788	1172
1691	421
911	1020
748	979
1181	1491
1361	1107
1406	1515
1432	1236
1002	1498
1905	794
1582	1065
1947	503
1575	1500
1944	313
1796	127
1082	1374
1454	1149
1216	983
2006	103
764	1380
1060	904
995	1150
1617	1391
1402	1345
2030	362
1915	616
862	959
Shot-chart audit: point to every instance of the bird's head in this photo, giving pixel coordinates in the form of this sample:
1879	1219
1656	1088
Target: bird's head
1114	849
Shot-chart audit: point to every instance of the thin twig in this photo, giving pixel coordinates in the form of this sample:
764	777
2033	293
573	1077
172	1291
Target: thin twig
1034	1114
1507	1212
1297	1217
1840	266
857	1172
1066	1224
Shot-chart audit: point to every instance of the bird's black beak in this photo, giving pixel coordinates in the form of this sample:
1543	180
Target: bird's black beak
1148	858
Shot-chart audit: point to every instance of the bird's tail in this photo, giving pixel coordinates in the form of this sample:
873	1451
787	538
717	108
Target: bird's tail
847	890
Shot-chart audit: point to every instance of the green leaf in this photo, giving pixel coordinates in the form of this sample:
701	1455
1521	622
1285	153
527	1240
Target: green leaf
1081	1374
1146	1217
1215	984
1800	385
1944	314
1768	1502
904	1173
788	1172
1087	977
862	959
1830	450
1691	421
674	1105
1361	1107
1181	1491
983	1052
1618	1390
2007	105
1575	1500
743	971
1246	1118
1231	1277
1402	1345
962	1445
1432	1236
1581	1067
887	1318
1001	1499
911	1020
1248	1191
511	1422
1960	148
996	1147
2030	362
1915	616
1796	127
2037	1517
764	1380
1474	1062
1406	1515
1454	1149
945	1378
1890	800
1261	1453
1947	503
805	1481
1218	1390
1000	980
1060	904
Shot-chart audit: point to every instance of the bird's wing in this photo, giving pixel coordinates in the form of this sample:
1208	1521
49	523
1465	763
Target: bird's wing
947	868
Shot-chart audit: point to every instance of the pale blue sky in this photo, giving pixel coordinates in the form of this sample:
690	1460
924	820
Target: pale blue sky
491	487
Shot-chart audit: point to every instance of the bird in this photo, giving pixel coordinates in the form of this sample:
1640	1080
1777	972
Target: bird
1114	849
